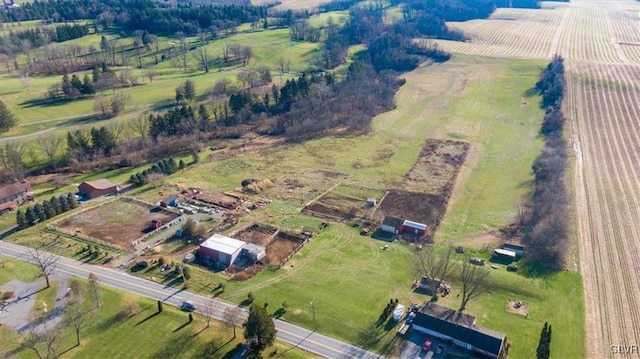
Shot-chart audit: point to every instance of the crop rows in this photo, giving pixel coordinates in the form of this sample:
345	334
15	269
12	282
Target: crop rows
522	33
604	110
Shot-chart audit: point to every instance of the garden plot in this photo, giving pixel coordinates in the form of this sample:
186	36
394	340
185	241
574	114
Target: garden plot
256	233
345	202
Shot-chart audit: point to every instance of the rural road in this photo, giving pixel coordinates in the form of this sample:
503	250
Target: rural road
289	333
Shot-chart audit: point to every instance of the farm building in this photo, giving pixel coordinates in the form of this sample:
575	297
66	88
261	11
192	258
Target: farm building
504	254
94	189
221	249
517	248
170	201
414	227
391	225
13	195
429	285
459	328
371	202
254	251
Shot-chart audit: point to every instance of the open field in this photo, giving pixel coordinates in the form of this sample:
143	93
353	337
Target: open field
118	222
126	325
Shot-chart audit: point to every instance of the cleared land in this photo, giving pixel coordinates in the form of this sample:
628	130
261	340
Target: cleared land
344	202
599	42
118	222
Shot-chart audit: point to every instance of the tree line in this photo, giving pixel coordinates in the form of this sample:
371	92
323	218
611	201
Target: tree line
22	41
50	208
163	167
547	221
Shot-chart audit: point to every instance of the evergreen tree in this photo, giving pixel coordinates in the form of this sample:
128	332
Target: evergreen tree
259	329
181	164
30	216
173	166
189	90
133	180
55	204
21	219
64	203
73	201
7	119
87	86
38	210
49	211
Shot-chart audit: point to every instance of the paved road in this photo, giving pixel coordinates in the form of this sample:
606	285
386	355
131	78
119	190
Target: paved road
289	333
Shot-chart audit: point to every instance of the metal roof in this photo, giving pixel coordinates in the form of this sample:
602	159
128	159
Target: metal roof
415	225
505	252
223	244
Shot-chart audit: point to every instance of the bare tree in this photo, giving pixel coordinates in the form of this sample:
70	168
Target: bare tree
140	125
46	262
283	67
94	289
50	146
247	53
77	317
203	58
31	153
11	156
234	317
52	338
119	101
474	282
102	104
117	128
208	311
434	266
151	73
31	341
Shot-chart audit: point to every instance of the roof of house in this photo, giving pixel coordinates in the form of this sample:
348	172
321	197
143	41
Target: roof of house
223	244
392	221
459	326
13	189
431	282
170	199
416	225
8	205
99	184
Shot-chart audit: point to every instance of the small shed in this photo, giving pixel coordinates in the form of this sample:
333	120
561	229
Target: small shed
94	189
371	202
414	227
430	285
221	249
170	201
391	225
156	223
254	251
514	247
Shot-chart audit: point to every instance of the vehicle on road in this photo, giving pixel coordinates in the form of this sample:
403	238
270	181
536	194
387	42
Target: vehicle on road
439	349
188	306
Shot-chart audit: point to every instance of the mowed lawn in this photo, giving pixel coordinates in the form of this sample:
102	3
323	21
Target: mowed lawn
115	331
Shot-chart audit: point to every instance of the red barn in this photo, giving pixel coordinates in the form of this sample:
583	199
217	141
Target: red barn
414	227
94	189
156	223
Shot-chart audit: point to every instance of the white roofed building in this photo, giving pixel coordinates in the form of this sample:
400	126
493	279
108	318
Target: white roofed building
221	249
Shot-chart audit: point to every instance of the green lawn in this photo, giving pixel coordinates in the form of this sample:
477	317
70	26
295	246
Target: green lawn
13	269
114	333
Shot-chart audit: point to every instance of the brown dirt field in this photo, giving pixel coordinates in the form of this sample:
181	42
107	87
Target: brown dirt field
321	209
213	197
437	166
257	234
279	249
118	222
420	207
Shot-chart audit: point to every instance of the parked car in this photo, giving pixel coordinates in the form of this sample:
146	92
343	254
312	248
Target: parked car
426	346
477	261
460	250
142	265
512	268
439	349
188	306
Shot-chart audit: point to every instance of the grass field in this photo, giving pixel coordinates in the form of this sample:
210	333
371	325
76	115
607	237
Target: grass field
14	269
114	333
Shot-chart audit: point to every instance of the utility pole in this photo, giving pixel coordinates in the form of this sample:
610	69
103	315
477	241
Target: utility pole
313	309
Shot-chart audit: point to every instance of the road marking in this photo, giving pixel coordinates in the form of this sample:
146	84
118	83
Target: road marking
109	274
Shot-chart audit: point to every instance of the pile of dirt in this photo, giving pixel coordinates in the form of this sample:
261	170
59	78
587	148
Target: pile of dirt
254	186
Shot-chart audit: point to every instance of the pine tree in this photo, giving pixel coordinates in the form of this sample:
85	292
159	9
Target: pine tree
30	215
7	119
181	164
64	203
55	204
49	211
21	219
189	90
73	201
173	166
87	86
38	209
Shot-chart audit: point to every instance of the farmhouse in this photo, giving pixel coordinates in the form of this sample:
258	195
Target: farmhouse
170	201
460	328
221	249
94	189
414	228
391	225
13	195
